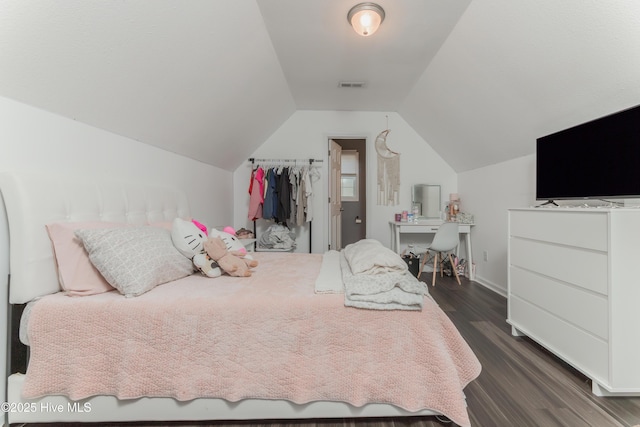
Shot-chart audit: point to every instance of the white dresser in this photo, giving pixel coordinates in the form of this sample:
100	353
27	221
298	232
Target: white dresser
574	287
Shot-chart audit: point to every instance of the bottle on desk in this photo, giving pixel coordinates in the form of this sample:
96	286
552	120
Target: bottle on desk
454	206
415	209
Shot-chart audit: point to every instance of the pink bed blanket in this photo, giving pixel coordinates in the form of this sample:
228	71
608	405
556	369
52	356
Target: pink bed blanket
268	336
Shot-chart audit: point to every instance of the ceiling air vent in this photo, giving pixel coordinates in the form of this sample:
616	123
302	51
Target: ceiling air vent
352	84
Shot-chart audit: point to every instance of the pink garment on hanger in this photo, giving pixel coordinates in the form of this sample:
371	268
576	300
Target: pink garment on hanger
256	196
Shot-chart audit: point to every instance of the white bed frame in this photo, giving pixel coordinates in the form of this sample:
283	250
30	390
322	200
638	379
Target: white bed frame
31	201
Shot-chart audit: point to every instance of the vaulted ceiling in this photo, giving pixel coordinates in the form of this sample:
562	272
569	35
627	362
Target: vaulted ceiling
479	80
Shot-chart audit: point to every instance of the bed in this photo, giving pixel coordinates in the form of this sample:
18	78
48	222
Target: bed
261	347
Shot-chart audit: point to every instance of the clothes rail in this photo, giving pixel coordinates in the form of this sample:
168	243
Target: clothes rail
254	160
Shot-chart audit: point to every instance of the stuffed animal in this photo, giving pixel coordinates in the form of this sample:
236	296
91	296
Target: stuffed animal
229	261
243	233
231	241
201	227
189	239
206	265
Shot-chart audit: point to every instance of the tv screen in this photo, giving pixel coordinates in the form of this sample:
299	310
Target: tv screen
595	160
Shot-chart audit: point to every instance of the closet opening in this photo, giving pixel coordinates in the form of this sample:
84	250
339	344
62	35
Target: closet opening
347	191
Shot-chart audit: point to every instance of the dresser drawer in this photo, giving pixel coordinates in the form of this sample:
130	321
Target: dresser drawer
581	229
584	268
585	352
429	229
586	310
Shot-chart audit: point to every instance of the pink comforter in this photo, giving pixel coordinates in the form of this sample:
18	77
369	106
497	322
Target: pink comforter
268	336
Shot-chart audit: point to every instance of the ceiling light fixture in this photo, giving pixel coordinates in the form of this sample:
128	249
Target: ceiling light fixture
365	18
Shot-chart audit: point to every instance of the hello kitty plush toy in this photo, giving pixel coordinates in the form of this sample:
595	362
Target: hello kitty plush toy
228	236
189	239
200	226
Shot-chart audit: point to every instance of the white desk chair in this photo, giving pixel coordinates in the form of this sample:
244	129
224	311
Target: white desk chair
445	240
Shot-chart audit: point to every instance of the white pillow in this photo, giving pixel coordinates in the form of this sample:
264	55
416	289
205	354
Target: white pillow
134	260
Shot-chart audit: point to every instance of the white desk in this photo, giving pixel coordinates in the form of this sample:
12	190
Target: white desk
429	227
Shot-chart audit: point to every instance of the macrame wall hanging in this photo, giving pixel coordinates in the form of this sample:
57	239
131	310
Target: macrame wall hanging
388	171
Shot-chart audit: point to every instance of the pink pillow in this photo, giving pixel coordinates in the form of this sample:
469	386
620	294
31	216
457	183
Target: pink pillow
76	273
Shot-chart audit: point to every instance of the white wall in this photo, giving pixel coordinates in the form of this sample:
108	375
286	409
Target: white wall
488	193
305	135
35	140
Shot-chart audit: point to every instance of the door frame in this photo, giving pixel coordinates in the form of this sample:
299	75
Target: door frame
335	196
363	177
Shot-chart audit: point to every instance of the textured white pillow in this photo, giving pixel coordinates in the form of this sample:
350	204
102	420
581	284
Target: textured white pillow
134	260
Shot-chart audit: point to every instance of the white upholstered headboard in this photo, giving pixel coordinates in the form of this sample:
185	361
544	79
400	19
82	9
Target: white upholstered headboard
33	200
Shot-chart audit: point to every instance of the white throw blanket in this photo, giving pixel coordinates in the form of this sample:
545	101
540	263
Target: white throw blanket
377	278
329	280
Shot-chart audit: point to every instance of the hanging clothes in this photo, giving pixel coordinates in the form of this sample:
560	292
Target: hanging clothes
256	194
282	193
293	180
312	176
270	205
284	197
301	198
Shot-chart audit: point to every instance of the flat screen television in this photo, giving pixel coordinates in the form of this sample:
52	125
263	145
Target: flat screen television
599	159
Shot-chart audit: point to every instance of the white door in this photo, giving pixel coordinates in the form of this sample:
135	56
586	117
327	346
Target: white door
335	203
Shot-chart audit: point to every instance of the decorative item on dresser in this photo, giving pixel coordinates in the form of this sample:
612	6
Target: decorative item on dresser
573	289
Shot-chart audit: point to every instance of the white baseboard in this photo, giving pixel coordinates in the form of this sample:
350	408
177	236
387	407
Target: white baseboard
491	286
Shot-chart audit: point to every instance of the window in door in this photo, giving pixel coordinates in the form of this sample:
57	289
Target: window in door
349	176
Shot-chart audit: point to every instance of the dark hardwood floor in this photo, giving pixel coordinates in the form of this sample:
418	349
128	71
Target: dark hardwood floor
521	384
